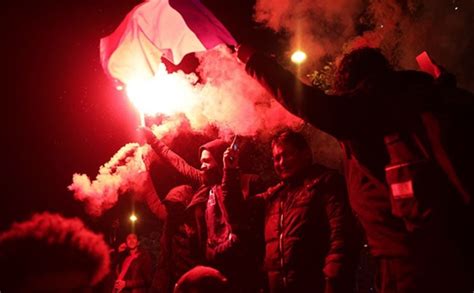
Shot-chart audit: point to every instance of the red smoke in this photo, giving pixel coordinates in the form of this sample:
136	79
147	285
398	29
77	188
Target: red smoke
234	101
403	29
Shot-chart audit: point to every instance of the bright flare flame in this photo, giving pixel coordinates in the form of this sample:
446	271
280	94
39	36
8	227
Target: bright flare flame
298	57
133	218
164	93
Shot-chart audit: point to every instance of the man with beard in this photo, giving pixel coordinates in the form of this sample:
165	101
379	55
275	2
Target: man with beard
234	250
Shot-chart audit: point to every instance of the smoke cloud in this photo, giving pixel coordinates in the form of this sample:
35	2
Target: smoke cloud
227	98
234	101
403	29
317	27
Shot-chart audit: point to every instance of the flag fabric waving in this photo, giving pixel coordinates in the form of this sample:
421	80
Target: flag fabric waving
156	28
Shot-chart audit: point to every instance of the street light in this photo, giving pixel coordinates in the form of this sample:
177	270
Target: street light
298	57
133	218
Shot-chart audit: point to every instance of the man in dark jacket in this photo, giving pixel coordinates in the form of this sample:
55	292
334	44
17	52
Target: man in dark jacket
306	219
414	243
227	249
135	271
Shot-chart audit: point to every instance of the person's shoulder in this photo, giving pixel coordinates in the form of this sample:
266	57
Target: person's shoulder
272	190
199	197
320	174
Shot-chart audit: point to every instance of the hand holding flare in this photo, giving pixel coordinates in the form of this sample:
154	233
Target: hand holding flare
231	156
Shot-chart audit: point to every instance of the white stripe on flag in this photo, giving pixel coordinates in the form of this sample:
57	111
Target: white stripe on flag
154	29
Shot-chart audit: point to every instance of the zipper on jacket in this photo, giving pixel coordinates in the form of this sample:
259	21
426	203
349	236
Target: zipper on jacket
282	262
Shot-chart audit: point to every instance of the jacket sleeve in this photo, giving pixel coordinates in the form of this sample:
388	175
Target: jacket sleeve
145	273
163	151
337	216
155	205
233	197
329	113
241	208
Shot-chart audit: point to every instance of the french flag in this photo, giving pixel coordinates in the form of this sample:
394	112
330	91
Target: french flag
160	28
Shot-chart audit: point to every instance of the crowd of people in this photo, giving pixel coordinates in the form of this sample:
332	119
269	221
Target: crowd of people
406	183
406	190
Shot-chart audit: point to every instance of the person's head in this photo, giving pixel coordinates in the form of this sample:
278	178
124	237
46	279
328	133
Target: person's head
52	253
291	154
201	279
132	241
211	155
359	66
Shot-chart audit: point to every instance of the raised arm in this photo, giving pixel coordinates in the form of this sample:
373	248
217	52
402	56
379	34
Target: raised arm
232	190
340	116
163	151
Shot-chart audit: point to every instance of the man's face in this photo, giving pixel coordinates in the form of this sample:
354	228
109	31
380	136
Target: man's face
288	160
210	168
132	241
207	161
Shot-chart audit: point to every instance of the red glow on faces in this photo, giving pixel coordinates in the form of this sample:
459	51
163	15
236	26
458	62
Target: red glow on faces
288	160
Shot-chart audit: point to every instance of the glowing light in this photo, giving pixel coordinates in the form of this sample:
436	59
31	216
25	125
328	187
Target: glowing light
119	87
164	93
298	57
133	218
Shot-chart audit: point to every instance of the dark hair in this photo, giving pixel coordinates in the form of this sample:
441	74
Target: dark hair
49	243
358	66
290	137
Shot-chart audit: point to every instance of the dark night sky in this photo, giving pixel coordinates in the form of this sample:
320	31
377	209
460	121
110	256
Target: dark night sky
62	115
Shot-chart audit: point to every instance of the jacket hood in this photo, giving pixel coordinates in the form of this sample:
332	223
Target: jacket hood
181	194
217	148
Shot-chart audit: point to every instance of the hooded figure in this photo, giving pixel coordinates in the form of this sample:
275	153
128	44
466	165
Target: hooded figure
211	161
226	247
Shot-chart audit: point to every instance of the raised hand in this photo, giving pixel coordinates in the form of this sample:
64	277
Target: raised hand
231	158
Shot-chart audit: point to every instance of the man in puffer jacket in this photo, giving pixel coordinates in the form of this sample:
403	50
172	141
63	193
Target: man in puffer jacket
306	219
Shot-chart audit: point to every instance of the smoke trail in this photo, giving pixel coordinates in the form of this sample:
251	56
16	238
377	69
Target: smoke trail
121	173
